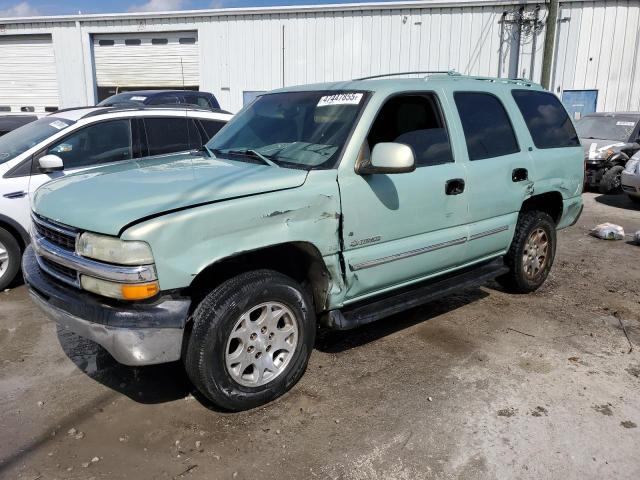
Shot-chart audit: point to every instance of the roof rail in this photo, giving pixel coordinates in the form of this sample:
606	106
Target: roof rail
515	81
426	72
130	107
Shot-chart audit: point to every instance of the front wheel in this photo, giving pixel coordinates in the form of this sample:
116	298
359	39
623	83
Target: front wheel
10	256
251	340
531	253
611	180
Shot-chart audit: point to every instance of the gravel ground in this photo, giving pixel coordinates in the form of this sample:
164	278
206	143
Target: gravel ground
478	385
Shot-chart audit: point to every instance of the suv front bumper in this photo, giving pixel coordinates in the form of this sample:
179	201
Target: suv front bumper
134	334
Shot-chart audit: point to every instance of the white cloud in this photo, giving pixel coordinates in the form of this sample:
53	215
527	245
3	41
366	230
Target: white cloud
159	6
22	9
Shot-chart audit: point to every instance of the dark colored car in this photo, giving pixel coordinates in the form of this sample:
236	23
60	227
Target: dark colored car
9	123
163	97
609	140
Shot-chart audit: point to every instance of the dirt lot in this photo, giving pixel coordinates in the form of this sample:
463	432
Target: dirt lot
479	385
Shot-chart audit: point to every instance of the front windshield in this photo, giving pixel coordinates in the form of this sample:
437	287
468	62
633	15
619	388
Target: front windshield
606	128
292	129
22	139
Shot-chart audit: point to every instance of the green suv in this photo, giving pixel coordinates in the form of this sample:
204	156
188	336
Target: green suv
321	205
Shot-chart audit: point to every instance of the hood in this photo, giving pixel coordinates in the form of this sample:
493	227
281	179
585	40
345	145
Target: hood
106	199
593	147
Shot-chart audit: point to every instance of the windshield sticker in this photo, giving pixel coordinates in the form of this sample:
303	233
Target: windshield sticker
625	124
59	124
340	99
138	98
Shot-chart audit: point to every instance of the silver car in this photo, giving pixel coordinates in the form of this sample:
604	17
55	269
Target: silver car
630	178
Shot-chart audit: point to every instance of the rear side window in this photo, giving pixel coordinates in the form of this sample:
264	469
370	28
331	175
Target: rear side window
169	135
546	118
487	128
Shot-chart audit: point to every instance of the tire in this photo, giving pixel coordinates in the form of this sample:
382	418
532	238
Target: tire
610	181
233	319
10	256
523	277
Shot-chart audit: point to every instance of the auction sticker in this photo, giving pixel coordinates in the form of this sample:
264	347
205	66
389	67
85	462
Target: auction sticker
59	124
625	124
138	99
340	99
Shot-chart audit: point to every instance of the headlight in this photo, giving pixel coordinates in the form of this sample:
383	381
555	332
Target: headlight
138	291
114	250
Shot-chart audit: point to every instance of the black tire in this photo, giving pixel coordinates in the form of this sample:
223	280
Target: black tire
518	280
610	181
14	256
213	322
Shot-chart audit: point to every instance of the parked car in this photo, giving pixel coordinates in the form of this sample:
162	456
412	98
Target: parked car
333	204
73	140
163	97
9	123
630	178
609	140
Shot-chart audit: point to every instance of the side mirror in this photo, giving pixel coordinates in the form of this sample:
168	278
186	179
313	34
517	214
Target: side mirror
388	157
50	163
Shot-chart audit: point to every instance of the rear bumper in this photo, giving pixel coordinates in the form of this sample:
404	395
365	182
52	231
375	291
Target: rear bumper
134	334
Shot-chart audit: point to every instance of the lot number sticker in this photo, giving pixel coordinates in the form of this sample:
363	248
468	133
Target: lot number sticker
625	124
340	99
138	99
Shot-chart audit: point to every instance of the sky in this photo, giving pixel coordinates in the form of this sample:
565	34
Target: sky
25	8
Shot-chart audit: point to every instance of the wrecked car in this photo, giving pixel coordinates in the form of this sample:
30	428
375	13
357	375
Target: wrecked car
329	205
609	140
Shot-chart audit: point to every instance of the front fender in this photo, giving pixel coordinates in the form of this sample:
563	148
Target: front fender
184	243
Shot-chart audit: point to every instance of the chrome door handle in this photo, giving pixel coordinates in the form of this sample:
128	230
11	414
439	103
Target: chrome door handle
15	195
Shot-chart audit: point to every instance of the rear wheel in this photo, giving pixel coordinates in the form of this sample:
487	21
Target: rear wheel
251	340
10	256
611	179
531	254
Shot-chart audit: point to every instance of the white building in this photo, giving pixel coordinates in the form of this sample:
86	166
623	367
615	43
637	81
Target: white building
65	61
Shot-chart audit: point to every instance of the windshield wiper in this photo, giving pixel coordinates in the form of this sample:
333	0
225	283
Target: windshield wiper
249	153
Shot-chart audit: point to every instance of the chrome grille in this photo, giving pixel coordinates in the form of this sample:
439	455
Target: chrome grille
58	235
60	270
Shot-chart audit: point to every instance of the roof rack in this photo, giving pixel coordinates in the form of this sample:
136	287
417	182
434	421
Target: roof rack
515	81
426	72
131	107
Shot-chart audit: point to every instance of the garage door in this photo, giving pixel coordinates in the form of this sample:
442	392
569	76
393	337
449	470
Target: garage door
150	60
27	74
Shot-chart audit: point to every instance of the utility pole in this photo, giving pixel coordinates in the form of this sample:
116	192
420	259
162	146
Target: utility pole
549	42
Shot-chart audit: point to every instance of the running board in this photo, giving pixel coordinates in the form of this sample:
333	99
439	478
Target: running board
365	312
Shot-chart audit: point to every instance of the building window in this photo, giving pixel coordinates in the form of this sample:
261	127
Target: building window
159	41
187	41
133	41
106	43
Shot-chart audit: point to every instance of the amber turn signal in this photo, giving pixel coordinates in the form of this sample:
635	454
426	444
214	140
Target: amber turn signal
140	291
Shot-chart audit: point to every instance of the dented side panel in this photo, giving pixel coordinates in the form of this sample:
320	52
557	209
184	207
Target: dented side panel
186	242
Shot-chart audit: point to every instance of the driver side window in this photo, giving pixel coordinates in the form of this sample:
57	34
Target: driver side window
414	120
102	142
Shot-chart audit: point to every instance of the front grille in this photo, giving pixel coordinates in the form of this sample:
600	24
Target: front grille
61	270
56	236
